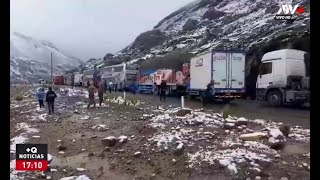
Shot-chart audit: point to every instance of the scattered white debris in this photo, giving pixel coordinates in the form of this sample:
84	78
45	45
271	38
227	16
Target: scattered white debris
136	154
180	146
61	152
82	177
41	117
157	125
225	157
300	134
85	118
165	138
81	169
53	170
49	157
258	146
123	139
100	127
232	168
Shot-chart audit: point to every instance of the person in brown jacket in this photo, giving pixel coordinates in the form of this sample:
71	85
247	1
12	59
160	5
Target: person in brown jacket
91	90
100	93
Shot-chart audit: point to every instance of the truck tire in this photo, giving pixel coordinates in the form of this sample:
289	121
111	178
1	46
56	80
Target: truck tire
274	98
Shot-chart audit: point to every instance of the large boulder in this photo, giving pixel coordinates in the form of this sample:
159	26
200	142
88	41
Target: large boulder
276	139
241	121
183	112
229	126
285	130
109	141
179	150
149	39
212	14
191	24
254	136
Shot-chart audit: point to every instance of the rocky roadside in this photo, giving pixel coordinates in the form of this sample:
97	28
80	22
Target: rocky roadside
134	140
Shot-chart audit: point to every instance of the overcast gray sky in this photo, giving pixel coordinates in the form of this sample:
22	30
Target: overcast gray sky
89	28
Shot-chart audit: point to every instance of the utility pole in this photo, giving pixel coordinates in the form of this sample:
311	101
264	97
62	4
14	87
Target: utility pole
51	70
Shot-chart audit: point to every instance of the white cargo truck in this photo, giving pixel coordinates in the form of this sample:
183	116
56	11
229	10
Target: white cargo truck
78	79
282	78
225	67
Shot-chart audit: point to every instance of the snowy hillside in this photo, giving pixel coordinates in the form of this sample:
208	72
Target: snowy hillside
208	24
30	59
221	24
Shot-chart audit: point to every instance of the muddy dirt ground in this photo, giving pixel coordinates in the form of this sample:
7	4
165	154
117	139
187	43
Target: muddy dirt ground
72	126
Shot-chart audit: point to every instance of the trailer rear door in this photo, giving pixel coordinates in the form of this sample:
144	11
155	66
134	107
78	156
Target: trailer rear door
237	70
219	69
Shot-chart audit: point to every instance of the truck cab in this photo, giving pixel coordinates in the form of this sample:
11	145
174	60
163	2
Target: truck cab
281	78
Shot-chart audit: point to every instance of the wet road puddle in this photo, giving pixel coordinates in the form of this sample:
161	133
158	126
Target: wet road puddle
99	168
80	161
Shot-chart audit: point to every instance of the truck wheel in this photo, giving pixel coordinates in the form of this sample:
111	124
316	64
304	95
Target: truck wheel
274	98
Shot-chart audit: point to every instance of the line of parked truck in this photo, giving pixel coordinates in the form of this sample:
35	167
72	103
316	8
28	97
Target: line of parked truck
282	77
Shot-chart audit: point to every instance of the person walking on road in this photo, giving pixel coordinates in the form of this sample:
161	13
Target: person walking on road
110	86
91	90
163	90
209	93
155	88
100	93
50	97
40	96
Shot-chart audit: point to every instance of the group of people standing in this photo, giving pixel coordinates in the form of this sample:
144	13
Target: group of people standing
161	90
101	89
49	97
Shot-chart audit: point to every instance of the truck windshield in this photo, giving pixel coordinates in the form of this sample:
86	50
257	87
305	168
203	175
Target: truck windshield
265	68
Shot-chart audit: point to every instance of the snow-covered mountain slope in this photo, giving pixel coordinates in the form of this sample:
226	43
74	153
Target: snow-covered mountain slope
217	24
30	59
208	24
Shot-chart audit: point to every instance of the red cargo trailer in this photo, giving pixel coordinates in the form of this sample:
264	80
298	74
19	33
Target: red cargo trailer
58	80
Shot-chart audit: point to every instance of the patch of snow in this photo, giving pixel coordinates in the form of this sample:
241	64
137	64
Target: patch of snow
226	157
41	117
81	177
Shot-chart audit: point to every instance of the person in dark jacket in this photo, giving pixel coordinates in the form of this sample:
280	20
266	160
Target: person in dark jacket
40	96
209	93
163	90
50	97
100	93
